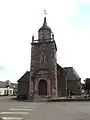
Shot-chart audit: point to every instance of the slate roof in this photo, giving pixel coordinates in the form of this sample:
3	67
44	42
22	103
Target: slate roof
25	77
14	85
45	27
71	73
4	84
59	68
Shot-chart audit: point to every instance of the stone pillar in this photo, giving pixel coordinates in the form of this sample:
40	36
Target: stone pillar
49	88
36	88
54	88
30	96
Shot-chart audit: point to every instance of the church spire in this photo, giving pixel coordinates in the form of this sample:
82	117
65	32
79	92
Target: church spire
45	22
44	32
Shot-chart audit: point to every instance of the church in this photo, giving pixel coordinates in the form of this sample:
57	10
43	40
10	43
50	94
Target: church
46	78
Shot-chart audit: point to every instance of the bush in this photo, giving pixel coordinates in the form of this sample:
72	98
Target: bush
24	97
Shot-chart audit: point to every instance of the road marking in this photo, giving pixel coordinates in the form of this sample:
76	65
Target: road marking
21	109
27	107
14	113
12	118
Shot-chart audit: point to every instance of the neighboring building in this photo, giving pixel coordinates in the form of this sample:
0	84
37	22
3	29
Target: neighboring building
23	85
46	79
87	85
6	90
73	81
15	88
83	88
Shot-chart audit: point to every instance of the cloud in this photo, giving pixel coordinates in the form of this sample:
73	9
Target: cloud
2	68
69	20
81	16
85	1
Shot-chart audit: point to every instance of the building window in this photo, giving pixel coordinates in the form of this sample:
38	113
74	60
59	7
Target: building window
10	92
5	92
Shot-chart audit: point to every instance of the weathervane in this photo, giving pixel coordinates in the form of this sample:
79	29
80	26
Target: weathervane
45	12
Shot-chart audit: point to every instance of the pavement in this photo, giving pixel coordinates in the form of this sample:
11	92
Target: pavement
18	110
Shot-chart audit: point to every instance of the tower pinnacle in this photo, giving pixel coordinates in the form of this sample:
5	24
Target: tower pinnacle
45	31
45	22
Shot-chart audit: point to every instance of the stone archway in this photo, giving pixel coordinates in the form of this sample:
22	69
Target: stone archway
42	88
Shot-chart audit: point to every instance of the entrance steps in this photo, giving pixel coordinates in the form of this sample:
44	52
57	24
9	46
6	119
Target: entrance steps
41	99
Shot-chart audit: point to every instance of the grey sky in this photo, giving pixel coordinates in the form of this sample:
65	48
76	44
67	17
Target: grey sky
20	19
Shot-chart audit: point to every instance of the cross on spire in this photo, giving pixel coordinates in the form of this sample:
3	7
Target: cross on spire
45	12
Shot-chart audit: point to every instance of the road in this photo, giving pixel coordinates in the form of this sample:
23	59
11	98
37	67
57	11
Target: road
19	110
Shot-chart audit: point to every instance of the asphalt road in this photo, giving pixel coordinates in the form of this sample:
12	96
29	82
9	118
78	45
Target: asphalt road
19	110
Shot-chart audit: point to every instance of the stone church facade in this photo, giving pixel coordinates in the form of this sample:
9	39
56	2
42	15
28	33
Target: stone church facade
46	79
43	73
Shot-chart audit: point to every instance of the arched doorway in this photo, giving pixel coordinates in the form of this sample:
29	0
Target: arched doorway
42	87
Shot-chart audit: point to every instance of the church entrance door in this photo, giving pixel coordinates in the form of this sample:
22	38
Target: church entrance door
42	87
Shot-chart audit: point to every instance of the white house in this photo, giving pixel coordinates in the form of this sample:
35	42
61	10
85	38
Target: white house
6	89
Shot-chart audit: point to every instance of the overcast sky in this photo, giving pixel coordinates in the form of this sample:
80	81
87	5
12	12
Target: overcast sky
20	19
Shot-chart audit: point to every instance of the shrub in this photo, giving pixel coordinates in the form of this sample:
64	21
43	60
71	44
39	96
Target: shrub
24	97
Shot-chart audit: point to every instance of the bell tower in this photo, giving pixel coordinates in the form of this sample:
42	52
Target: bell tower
43	68
44	32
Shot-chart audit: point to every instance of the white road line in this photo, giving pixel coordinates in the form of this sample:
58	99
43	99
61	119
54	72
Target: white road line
21	109
21	113
27	107
12	118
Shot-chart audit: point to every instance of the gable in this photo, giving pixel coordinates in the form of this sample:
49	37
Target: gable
25	77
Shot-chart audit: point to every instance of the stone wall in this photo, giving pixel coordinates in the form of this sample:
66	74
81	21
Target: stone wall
49	52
